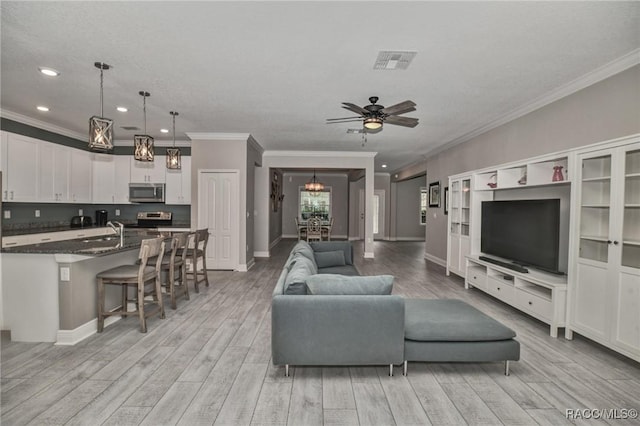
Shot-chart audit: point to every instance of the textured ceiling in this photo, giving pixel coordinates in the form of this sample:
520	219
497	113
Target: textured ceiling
277	70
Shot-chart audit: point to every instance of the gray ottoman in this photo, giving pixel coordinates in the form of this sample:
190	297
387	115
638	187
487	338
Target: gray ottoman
449	330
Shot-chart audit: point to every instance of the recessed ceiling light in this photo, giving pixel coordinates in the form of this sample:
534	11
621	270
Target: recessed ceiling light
122	109
42	108
384	166
164	130
49	71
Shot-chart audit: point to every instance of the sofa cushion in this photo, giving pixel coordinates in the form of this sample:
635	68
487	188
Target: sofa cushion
345	246
303	248
300	269
349	270
326	259
450	320
333	284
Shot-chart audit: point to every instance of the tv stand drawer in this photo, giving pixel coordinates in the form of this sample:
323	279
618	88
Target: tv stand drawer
501	289
477	276
536	305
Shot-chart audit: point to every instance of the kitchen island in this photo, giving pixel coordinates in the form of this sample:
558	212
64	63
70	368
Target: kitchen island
49	289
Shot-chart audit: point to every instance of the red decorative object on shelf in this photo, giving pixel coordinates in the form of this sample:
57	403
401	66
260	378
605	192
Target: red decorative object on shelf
557	174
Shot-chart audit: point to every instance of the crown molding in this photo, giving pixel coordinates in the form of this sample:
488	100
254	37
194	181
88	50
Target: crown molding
350	154
213	136
607	70
43	125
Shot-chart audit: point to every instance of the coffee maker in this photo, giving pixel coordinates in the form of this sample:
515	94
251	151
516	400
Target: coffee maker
102	218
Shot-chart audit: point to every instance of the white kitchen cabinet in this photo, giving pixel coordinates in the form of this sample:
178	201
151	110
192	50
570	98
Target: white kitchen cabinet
21	173
53	165
148	172
80	176
178	189
605	289
110	179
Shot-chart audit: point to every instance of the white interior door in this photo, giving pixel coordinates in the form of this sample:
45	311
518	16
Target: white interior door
218	210
361	212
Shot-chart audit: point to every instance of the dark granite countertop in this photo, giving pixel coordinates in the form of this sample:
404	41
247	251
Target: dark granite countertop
94	246
40	230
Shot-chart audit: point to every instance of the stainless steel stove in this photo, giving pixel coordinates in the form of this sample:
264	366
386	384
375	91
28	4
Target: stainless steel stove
152	220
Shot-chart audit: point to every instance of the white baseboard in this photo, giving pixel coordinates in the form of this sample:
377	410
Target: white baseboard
409	239
244	267
354	238
261	254
435	260
368	255
289	236
71	337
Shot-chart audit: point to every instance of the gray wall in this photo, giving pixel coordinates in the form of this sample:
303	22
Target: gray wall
221	155
603	111
408	209
339	200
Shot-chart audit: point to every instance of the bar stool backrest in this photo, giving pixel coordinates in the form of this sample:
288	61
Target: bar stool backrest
181	242
150	248
202	238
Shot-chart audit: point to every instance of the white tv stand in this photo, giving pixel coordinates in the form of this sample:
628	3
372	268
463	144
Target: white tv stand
539	294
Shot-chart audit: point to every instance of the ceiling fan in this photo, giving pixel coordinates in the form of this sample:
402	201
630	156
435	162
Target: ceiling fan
374	115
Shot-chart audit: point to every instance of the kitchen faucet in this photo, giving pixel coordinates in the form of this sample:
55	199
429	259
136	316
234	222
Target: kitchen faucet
119	230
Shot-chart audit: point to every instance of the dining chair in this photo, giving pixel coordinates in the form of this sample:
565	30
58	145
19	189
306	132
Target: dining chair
314	229
326	230
302	230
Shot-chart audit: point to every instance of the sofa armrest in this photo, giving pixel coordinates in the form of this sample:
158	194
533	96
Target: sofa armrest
337	330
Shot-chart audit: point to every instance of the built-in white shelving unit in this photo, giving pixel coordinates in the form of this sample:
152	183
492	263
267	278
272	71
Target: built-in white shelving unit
600	295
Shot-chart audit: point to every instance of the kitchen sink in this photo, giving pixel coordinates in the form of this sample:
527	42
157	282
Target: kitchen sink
94	240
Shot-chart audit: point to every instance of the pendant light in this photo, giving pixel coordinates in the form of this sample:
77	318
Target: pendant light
314	185
100	128
143	143
173	154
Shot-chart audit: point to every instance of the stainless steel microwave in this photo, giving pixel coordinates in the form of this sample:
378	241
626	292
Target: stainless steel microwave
146	192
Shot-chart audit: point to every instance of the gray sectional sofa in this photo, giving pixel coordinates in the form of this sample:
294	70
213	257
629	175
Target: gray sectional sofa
325	313
322	329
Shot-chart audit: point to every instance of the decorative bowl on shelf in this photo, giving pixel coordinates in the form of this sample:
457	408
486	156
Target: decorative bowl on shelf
492	181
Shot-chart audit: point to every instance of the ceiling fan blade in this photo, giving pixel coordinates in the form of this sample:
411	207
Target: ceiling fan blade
355	108
400	108
344	118
401	121
344	121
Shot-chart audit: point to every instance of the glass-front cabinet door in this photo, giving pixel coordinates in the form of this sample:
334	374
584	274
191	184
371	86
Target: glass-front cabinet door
595	208
631	215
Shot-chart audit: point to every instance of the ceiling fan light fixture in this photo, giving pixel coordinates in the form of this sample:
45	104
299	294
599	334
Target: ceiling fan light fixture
143	144
372	123
101	128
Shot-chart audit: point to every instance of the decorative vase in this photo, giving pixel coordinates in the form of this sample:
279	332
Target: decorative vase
557	174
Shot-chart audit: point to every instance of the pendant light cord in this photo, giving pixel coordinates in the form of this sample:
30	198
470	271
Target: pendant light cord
101	90
174	130
144	110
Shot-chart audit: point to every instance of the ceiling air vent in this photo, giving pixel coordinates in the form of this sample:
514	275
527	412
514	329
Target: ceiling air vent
131	128
355	131
393	60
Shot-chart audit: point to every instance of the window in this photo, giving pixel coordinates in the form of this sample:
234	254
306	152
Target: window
423	206
376	214
315	204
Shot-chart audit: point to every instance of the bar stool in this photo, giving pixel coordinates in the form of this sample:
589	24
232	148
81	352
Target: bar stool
175	267
195	252
138	276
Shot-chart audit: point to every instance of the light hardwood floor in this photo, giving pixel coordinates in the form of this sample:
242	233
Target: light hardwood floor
209	363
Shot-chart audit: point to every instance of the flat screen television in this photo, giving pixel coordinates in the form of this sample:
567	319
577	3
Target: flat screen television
526	232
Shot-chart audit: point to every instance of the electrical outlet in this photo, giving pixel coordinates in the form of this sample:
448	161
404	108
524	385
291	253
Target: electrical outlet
65	273
37	213
117	212
80	212
7	214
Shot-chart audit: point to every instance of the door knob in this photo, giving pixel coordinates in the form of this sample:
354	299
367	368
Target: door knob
615	243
